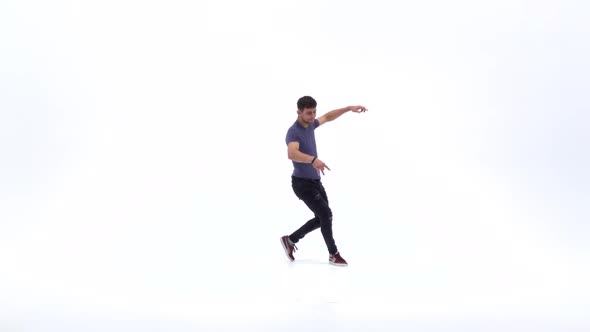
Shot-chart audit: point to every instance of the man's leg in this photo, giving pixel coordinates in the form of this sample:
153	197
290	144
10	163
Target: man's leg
327	227
314	196
310	226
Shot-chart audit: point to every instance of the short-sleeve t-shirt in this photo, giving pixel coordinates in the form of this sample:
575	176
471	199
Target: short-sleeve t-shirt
306	139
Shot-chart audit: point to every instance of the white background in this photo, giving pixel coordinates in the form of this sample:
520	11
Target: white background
144	182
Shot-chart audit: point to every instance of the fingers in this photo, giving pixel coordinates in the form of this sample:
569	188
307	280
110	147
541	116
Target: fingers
321	169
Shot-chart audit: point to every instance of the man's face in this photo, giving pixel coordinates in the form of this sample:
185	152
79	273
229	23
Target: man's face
308	115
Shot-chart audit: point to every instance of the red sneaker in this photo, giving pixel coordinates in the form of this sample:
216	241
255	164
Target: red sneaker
289	247
337	260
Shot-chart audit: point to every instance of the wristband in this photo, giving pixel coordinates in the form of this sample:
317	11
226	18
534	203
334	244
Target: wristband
313	160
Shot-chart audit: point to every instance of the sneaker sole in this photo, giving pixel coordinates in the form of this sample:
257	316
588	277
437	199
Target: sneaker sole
336	264
286	250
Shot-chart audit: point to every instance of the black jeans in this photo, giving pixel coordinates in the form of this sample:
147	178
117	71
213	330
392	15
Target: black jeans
312	192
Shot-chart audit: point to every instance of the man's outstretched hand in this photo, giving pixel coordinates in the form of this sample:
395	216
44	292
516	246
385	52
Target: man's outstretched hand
358	109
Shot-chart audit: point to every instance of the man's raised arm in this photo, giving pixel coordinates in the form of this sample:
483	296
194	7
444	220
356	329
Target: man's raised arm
333	115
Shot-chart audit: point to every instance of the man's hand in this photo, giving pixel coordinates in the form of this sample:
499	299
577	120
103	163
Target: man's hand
319	166
358	109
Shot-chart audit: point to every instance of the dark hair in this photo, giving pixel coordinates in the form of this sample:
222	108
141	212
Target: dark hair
306	102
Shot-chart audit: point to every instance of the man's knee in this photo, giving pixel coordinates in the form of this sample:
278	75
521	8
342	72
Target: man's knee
321	208
326	215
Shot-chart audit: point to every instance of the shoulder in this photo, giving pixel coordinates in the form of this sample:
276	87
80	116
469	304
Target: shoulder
293	133
293	128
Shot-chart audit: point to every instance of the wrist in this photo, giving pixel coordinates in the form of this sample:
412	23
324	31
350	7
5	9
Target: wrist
313	160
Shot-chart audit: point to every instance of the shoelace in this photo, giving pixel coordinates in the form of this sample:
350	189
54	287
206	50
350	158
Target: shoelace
294	247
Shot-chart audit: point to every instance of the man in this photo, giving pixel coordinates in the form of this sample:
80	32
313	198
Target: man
306	180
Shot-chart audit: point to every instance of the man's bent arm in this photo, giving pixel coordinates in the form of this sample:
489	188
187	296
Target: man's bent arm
298	156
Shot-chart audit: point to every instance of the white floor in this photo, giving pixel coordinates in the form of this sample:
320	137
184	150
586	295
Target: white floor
259	290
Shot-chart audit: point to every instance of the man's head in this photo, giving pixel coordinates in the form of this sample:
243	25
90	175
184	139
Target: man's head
306	109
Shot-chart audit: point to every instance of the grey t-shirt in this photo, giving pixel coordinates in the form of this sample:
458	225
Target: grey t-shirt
306	139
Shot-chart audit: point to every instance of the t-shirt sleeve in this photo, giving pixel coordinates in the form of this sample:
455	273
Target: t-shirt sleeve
292	137
316	123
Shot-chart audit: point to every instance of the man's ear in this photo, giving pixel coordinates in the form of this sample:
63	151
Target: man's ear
298	112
